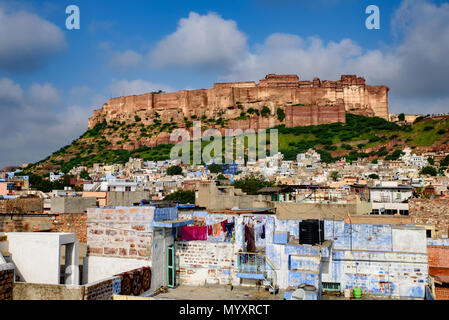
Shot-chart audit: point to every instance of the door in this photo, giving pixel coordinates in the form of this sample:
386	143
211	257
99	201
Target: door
171	268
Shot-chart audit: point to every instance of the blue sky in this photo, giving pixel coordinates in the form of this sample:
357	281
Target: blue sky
52	78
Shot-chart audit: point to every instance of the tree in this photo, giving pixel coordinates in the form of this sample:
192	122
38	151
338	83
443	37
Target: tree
335	175
429	171
221	177
174	170
84	175
445	162
182	196
373	176
401	117
280	114
215	168
251	184
265	111
431	161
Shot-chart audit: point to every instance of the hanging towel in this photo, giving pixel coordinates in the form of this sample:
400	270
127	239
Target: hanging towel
194	233
249	238
210	230
217	229
229	227
223	225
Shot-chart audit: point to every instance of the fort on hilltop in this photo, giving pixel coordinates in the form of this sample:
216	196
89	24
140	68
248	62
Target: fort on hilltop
303	103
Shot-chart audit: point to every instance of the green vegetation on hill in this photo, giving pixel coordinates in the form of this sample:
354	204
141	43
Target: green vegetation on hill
332	141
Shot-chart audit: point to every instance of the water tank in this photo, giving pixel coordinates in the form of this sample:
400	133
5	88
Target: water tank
311	232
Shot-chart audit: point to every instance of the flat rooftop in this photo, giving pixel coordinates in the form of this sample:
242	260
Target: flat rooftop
218	292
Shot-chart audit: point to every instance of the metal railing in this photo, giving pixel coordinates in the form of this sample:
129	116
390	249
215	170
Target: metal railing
257	263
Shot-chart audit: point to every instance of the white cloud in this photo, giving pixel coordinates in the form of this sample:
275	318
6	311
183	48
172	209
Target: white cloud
201	40
34	130
415	66
44	95
134	87
126	59
10	93
27	41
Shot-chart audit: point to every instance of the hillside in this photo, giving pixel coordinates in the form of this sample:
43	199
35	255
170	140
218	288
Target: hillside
359	137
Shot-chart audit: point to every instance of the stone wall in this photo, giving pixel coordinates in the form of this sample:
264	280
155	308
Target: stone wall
433	212
121	232
304	103
22	205
6	281
26	222
203	262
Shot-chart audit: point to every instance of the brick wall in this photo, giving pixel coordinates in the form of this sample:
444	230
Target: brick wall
442	293
200	262
99	290
72	223
6	281
120	232
438	256
64	222
132	283
431	211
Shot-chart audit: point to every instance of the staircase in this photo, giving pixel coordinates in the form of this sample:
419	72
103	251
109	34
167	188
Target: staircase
257	266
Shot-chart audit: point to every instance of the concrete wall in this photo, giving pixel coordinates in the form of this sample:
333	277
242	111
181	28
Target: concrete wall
36	256
40	291
96	268
162	239
216	198
72	204
379	273
120	199
302	211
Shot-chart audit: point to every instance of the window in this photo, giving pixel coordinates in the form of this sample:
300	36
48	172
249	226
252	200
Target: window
429	233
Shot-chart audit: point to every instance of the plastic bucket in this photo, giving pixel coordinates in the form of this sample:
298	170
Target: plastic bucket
357	292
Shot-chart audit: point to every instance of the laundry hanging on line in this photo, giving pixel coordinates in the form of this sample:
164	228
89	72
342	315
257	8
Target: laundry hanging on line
193	233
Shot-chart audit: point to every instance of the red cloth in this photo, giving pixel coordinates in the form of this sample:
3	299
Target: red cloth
210	231
194	233
223	227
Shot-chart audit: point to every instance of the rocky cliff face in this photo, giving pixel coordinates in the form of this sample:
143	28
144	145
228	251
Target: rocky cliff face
245	105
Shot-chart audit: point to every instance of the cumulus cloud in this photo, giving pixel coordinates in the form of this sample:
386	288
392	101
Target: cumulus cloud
44	95
125	60
203	41
27	41
134	87
11	94
413	66
33	130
